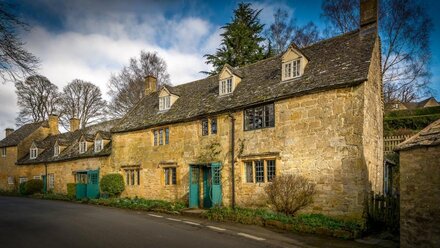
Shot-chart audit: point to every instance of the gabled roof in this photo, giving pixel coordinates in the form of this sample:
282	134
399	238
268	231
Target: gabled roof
421	104
70	141
339	62
24	131
429	136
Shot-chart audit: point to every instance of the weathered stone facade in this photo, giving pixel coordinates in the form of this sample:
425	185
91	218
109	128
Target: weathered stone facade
420	197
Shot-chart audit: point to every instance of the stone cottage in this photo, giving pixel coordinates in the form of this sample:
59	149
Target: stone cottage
420	188
314	111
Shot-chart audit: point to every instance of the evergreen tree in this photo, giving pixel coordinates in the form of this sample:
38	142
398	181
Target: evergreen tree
242	40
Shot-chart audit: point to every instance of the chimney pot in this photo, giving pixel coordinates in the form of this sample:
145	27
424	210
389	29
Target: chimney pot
53	124
369	14
74	124
150	84
8	131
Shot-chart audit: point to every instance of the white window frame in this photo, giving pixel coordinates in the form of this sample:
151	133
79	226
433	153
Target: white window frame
22	180
164	102
3	152
10	180
82	147
51	181
292	69
226	86
99	145
33	153
56	150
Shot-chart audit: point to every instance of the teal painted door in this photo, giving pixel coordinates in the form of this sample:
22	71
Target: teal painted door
216	181
44	184
81	191
207	193
194	173
93	184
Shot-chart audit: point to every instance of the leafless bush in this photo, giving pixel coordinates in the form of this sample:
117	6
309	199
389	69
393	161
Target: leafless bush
290	193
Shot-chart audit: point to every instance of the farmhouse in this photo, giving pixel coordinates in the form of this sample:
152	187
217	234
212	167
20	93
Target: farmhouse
314	111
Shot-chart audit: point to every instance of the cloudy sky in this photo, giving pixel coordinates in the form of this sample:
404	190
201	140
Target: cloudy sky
90	40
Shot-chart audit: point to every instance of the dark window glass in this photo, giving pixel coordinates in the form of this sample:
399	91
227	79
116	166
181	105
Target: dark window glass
138	172
167	135
167	176
259	171
205	127
173	176
160	136
270	170
155	137
249	172
259	117
214	126
132	177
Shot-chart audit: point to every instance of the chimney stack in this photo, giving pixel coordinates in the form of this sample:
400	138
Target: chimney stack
53	124
8	131
150	84
74	124
369	15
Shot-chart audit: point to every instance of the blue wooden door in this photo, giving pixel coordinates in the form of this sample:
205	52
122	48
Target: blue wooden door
194	173
93	184
81	191
216	181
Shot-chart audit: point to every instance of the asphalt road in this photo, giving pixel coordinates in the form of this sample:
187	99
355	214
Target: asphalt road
37	223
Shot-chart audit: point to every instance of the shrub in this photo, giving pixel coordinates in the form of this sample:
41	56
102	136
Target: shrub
71	190
290	193
112	184
33	186
22	188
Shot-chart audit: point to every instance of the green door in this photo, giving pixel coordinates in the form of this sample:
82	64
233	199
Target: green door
81	191
194	173
93	184
207	193
216	185
44	184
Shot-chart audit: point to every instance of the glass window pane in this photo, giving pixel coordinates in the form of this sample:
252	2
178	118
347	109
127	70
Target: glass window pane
249	172
138	177
167	135
173	176
258	118
155	137
161	137
259	171
205	127
214	126
270	170
167	176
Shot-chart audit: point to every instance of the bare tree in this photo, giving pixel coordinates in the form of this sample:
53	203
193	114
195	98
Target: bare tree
127	87
82	100
15	61
37	99
306	35
405	29
284	31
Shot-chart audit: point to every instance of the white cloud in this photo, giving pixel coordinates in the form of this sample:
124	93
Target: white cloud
91	48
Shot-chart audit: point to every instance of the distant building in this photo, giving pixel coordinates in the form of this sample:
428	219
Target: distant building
428	102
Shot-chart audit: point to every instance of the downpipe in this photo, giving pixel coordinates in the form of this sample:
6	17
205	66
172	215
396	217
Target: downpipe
232	159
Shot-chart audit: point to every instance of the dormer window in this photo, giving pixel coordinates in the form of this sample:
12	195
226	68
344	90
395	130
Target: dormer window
291	69
99	145
226	86
56	150
164	103
33	154
82	146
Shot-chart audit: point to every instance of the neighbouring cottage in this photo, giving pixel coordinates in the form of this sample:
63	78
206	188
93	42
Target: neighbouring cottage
315	111
427	103
420	188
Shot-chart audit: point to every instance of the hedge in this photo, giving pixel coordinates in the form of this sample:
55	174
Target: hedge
413	122
112	184
413	112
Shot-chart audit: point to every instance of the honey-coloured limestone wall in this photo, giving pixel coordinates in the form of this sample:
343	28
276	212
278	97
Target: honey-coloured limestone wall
420	197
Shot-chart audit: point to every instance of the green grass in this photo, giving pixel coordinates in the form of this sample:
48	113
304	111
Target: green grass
140	204
309	223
